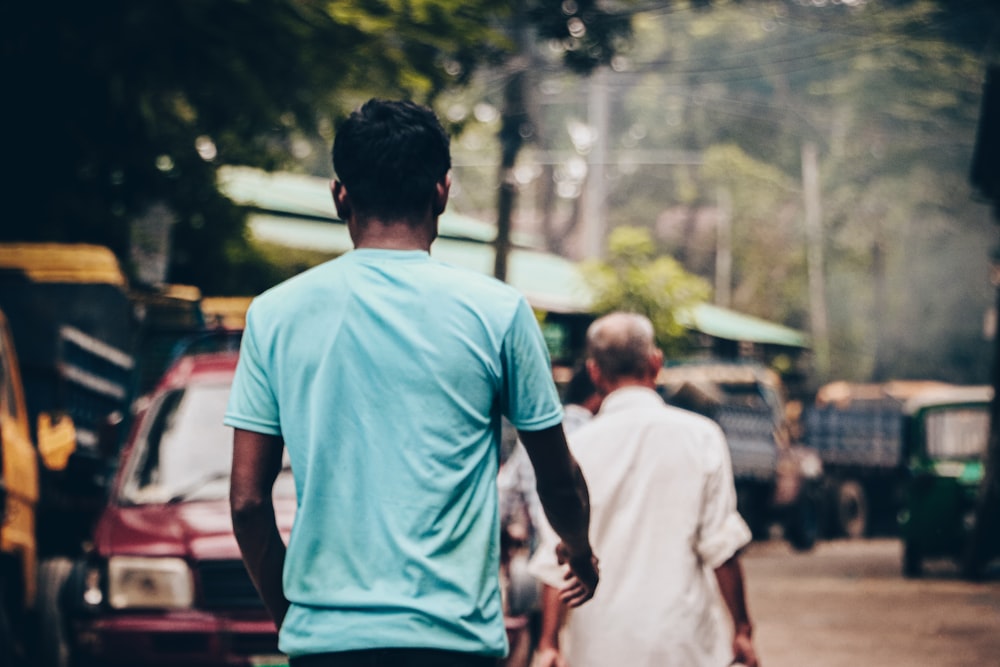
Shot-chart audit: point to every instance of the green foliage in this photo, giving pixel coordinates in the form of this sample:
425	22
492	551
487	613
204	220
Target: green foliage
116	106
889	92
769	273
635	278
589	34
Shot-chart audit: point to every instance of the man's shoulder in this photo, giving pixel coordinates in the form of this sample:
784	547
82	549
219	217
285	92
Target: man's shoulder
653	413
461	278
689	418
302	281
455	285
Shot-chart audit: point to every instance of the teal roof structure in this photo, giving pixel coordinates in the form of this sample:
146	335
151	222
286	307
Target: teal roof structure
297	211
720	322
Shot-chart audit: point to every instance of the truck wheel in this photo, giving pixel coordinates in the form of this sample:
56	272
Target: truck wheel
13	642
750	508
9	654
802	527
913	561
852	510
53	644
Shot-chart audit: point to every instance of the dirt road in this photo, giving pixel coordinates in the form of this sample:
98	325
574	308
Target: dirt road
846	605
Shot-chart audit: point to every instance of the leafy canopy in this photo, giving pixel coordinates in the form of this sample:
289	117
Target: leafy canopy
121	107
635	278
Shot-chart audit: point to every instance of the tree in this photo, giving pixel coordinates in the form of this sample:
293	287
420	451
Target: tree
888	92
588	37
635	278
128	106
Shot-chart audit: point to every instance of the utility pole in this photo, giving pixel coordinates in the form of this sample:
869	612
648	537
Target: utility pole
595	195
724	248
880	303
514	129
814	257
985	177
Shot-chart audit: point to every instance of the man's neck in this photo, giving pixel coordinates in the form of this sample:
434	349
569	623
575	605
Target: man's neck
393	235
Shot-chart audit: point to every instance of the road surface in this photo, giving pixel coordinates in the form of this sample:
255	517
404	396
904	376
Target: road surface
845	604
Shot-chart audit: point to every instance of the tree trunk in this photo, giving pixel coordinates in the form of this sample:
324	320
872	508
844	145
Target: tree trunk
817	282
515	127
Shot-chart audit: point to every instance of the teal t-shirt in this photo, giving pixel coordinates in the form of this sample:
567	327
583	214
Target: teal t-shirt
386	373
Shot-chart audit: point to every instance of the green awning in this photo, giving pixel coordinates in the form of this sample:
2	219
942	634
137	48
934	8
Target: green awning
297	211
728	324
309	197
548	281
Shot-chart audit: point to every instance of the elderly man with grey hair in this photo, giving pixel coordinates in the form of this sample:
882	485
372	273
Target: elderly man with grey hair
664	520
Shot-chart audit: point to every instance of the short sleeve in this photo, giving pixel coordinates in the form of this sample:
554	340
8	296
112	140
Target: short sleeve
529	398
722	531
252	403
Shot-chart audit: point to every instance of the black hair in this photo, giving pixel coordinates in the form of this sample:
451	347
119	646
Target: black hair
390	155
580	387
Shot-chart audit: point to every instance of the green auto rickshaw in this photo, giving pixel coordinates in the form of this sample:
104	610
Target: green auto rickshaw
945	432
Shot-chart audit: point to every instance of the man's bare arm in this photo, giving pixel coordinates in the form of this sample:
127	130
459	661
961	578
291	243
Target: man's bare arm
731	586
548	653
563	493
256	464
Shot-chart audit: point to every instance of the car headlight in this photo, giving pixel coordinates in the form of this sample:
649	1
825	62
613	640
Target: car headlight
159	583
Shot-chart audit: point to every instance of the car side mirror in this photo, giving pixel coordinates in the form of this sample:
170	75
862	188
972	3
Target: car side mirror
56	439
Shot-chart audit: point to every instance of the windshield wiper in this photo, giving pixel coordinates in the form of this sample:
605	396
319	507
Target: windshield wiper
197	486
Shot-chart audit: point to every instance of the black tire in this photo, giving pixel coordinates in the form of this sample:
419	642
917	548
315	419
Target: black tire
13	622
852	510
803	525
53	642
751	508
9	652
913	560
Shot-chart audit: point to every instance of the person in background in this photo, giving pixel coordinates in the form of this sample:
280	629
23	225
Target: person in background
385	374
520	509
581	400
664	520
521	514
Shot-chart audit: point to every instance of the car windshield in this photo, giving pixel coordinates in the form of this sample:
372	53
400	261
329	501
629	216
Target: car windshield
957	433
184	451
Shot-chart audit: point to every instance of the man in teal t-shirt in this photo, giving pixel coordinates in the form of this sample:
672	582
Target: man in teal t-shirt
385	373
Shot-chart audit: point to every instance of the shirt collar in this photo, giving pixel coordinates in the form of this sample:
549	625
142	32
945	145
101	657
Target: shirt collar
629	397
387	253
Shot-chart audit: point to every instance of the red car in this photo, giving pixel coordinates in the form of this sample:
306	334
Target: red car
164	583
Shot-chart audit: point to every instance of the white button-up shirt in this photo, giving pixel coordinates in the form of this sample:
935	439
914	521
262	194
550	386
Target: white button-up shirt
663	517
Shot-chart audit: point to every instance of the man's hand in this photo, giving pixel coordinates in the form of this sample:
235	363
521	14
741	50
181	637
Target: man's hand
548	657
582	577
743	650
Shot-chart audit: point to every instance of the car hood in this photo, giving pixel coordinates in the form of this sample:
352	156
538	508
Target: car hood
196	531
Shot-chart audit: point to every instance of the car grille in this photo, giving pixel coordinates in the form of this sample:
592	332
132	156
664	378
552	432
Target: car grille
226	585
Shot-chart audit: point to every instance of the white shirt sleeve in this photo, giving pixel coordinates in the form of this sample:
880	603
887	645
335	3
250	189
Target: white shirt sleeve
722	531
543	564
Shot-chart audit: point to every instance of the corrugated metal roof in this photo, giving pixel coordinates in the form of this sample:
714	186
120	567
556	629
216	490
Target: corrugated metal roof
728	324
297	211
309	197
957	395
548	281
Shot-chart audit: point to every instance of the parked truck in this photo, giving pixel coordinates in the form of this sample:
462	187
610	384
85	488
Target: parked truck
85	345
856	428
776	478
19	474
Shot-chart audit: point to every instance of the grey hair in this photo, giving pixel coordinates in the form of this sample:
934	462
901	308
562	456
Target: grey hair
621	344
